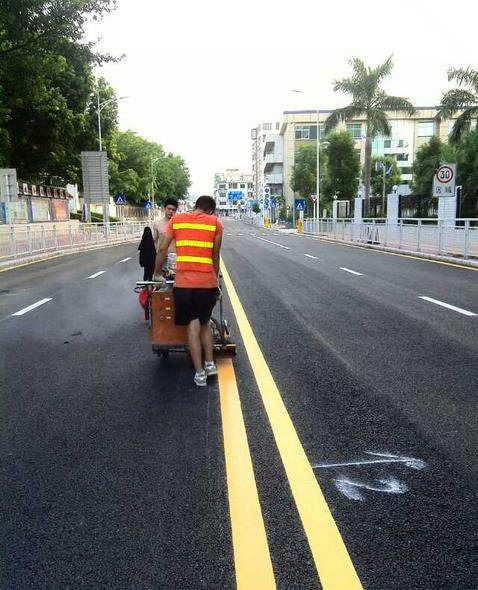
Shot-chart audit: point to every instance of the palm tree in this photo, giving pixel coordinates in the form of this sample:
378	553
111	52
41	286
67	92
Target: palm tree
460	99
370	102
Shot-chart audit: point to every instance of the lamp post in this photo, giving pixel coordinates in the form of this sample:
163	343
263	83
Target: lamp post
152	163
99	107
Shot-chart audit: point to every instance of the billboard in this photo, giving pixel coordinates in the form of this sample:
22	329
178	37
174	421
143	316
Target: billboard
94	167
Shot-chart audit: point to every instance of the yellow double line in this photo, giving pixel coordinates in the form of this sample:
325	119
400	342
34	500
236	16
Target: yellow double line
251	554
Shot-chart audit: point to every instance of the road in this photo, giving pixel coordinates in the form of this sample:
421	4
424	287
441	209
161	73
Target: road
357	390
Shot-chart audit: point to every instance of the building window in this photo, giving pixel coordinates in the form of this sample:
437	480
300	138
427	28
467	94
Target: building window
222	185
242	186
401	157
233	185
426	129
401	143
267	126
355	130
406	170
306	132
249	185
277	126
387	143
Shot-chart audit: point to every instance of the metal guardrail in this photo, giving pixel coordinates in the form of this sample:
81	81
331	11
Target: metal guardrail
20	242
457	237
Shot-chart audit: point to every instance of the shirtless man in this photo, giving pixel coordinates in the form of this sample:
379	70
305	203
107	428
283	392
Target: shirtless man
170	208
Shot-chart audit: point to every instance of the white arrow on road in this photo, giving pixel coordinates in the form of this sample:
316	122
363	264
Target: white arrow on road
386	458
351	489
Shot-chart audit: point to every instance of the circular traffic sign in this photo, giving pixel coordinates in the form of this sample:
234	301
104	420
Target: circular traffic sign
444	174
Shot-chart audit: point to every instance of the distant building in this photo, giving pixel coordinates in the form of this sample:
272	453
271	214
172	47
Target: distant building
408	134
231	188
267	158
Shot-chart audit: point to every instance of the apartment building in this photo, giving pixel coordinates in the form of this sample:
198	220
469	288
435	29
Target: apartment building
231	187
267	158
408	134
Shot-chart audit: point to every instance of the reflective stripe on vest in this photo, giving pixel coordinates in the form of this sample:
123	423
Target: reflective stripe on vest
196	243
194	226
199	259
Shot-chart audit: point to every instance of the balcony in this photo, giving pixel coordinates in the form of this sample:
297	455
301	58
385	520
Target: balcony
273	178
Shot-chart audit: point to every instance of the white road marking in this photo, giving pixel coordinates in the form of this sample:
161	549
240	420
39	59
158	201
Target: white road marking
240	234
310	256
271	242
354	272
448	306
33	306
229	234
126	259
97	274
350	488
409	461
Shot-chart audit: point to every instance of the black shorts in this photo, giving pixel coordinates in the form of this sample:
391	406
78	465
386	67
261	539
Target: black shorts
193	304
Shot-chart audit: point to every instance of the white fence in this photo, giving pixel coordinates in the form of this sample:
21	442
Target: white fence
429	236
19	242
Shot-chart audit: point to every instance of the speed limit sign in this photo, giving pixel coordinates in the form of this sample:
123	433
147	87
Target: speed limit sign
444	181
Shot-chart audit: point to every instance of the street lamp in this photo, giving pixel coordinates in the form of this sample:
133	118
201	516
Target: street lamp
100	107
152	162
317	188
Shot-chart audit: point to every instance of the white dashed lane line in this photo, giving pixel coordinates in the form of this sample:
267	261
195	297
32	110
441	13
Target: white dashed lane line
271	242
353	272
97	274
32	306
126	259
448	306
310	256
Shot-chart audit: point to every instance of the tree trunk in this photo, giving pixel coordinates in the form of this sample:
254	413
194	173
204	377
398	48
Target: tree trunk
367	165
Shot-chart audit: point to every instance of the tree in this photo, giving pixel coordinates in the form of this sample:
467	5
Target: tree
130	169
467	173
464	98
343	168
256	208
392	178
370	102
47	85
427	160
304	172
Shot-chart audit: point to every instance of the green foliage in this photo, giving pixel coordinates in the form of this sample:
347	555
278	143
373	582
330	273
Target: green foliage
133	160
467	173
390	179
427	159
342	171
464	98
304	171
47	88
369	101
256	208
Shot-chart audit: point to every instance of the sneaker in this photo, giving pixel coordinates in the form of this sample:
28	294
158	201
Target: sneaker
200	379
210	369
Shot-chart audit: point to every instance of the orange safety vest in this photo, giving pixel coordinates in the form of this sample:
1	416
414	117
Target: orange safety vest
194	241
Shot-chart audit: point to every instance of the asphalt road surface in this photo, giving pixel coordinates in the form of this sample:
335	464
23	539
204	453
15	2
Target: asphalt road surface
357	375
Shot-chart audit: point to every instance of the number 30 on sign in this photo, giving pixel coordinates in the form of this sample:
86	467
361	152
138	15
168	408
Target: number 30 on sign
444	181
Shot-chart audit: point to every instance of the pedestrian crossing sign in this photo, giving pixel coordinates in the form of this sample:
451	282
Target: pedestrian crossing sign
299	204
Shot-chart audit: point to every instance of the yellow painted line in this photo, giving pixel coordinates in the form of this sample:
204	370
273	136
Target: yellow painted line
334	566
251	552
330	241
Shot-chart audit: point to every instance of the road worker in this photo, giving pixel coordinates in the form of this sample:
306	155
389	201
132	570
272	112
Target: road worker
198	237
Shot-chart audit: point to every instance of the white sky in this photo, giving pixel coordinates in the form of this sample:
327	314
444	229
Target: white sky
201	73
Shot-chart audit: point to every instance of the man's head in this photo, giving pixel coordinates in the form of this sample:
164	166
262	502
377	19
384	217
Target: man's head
206	204
170	207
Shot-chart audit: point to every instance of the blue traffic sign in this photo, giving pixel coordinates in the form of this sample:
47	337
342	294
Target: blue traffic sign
120	199
148	205
235	196
299	204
